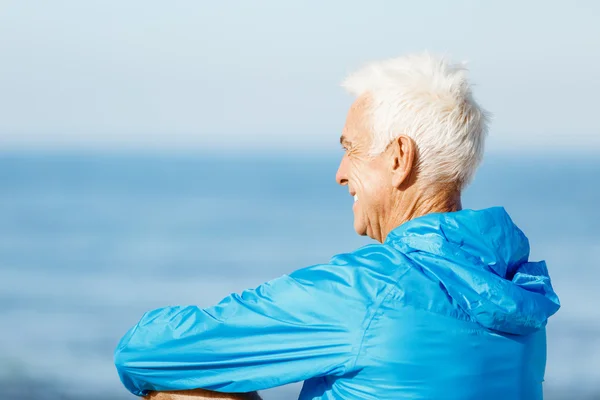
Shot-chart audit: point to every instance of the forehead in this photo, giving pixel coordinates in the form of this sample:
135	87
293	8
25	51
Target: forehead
356	128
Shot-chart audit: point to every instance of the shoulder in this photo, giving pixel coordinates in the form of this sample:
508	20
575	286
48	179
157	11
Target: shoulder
375	261
363	275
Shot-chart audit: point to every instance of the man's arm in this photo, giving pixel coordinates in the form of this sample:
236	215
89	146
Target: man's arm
287	330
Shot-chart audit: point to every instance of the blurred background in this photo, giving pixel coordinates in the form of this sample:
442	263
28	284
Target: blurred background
156	153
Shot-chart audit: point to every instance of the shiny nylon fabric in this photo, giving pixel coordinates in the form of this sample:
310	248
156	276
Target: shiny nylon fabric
449	307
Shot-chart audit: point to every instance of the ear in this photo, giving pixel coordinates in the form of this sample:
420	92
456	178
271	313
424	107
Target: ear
403	155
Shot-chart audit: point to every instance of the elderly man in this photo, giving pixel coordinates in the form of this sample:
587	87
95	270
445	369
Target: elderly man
445	306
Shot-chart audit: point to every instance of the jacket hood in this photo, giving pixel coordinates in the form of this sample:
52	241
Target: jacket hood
481	259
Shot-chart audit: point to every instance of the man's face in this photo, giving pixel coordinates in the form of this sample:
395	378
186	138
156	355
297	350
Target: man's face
367	177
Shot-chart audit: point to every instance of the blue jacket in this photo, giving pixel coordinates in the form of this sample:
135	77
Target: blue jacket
449	307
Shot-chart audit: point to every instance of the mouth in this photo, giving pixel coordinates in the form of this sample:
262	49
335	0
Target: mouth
353	194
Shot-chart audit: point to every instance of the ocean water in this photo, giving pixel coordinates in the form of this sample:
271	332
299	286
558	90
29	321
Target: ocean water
88	242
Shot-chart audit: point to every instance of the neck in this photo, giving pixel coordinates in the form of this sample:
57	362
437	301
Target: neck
419	203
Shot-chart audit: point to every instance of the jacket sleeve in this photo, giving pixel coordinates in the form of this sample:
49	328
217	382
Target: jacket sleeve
299	326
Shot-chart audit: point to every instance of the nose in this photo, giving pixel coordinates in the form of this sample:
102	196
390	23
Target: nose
341	176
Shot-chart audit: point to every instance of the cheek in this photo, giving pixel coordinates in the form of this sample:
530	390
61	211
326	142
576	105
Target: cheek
368	181
358	177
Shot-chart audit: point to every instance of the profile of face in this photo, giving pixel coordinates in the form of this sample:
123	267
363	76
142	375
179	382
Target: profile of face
370	179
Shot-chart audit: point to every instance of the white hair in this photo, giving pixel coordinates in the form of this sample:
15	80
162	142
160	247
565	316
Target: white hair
428	99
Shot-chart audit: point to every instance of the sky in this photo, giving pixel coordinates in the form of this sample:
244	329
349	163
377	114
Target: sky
247	75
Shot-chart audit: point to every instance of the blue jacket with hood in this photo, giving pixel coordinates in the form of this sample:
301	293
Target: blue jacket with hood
449	307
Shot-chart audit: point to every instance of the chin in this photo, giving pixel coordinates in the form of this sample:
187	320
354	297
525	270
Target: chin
360	228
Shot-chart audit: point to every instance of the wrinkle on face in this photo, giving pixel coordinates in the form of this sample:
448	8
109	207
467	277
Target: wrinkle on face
356	135
363	173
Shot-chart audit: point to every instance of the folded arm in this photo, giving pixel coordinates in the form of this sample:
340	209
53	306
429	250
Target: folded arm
287	330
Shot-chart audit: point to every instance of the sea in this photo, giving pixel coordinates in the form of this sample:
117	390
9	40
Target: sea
89	241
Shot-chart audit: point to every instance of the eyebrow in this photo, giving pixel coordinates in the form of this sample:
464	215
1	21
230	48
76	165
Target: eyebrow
344	141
